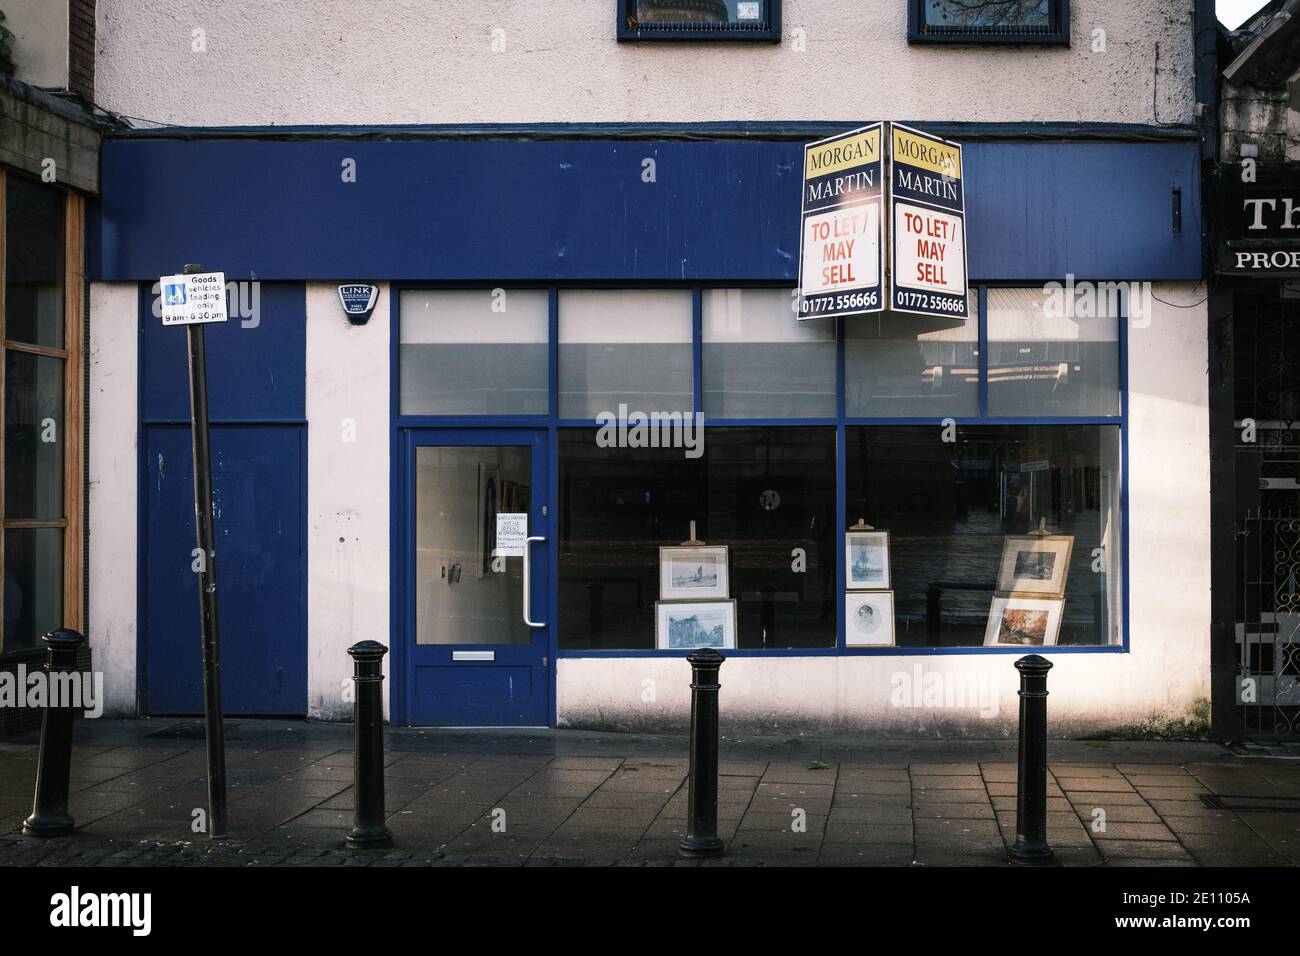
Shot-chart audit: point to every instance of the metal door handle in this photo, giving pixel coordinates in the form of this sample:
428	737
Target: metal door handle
527	590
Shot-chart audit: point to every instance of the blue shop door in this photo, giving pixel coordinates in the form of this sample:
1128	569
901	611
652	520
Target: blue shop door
257	474
476	633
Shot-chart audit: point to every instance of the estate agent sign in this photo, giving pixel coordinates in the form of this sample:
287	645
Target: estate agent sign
884	184
839	247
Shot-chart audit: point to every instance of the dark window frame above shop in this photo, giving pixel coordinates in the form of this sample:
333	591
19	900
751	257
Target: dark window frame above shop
632	28
1057	33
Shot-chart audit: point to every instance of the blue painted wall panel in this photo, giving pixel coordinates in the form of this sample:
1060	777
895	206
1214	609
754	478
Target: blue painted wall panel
256	372
579	210
258	504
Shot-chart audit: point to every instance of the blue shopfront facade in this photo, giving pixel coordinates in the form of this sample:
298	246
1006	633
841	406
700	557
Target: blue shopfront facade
698	224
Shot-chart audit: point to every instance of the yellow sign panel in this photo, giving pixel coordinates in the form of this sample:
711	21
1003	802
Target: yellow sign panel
842	153
927	153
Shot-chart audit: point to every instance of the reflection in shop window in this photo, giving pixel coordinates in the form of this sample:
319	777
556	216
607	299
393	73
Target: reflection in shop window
912	366
768	494
34	263
474	352
950	508
35	426
989	21
630	348
759	361
1049	356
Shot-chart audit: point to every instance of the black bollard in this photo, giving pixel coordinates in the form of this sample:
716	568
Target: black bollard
1031	774
369	828
50	817
701	838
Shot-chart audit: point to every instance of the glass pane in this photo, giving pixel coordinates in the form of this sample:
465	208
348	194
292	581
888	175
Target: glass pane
762	362
33	436
34	271
459	598
33	587
762	492
696	14
911	366
955	511
988	14
1047	358
474	352
625	347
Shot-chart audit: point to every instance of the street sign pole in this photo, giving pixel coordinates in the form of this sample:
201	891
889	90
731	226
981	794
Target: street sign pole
215	732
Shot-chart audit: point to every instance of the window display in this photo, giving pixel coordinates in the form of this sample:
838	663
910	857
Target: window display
692	572
1023	622
866	559
764	494
869	619
963	515
690	625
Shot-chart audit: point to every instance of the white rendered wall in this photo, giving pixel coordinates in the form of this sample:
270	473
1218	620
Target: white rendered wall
112	487
442	61
1164	678
348	477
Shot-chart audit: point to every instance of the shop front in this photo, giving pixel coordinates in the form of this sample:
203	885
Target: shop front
872	516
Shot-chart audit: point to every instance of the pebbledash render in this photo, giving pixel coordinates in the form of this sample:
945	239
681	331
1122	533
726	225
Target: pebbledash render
560	222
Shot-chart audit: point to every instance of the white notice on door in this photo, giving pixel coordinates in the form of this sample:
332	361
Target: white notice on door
512	530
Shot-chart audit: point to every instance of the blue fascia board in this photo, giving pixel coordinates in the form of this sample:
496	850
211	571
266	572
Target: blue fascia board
725	211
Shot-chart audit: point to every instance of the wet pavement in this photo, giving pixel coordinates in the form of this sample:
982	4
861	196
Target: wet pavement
540	797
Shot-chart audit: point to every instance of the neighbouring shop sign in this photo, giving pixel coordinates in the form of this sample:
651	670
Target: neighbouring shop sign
883	184
840	261
1260	233
927	224
193	299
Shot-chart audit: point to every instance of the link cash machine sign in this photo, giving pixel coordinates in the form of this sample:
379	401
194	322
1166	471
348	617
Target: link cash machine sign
928	225
840	261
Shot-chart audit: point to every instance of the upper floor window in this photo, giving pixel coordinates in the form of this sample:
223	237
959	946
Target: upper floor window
699	20
989	21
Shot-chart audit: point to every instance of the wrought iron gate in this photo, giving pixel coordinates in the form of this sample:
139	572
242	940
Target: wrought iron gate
1268	625
1267	478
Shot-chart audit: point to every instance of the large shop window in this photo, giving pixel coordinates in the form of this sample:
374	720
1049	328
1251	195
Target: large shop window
966	519
41	323
985	455
766	493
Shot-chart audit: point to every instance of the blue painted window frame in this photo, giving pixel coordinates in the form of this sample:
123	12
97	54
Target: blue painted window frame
626	15
551	423
918	31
